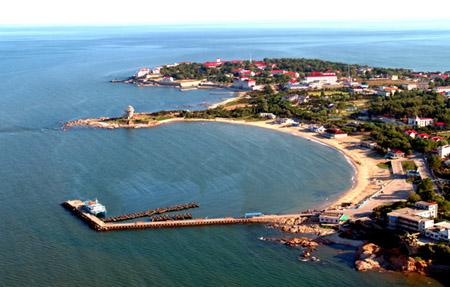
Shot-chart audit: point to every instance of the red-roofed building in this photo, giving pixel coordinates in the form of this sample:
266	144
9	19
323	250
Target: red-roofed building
436	138
423	136
411	133
439	124
395	154
324	78
215	64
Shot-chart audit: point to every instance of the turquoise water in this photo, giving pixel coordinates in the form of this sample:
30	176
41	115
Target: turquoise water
50	76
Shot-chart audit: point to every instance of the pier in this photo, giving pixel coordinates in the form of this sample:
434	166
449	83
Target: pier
151	212
75	206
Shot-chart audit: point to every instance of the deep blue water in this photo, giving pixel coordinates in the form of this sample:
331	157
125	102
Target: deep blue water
52	75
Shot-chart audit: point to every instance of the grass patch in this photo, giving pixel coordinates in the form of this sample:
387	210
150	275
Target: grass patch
408	165
384	165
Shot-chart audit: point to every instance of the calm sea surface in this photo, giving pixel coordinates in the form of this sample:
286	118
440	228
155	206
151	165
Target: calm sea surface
52	75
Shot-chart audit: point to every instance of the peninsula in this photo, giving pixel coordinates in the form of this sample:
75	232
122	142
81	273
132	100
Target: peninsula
391	124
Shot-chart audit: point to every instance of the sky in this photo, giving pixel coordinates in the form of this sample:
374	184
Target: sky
138	12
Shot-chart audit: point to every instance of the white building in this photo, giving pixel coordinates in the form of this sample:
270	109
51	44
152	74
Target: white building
267	116
332	217
432	207
420	122
142	72
323	78
440	231
409	87
167	80
244	83
443	151
415	219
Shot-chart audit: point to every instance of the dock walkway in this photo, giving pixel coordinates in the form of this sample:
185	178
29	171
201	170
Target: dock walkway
96	223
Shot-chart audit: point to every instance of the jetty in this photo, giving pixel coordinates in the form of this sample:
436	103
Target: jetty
151	212
75	206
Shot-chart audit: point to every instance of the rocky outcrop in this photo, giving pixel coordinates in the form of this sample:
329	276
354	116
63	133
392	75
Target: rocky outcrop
369	257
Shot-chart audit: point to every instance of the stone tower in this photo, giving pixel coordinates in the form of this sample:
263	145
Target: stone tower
129	113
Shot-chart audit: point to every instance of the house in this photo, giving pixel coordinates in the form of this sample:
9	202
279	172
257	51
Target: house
423	136
394	77
436	138
440	231
335	133
317	129
285	121
387	91
432	207
443	151
416	219
142	72
298	99
323	78
185	84
420	122
332	217
267	116
368	144
411	133
244	83
439	124
215	64
167	80
442	90
395	154
295	85
409	86
293	75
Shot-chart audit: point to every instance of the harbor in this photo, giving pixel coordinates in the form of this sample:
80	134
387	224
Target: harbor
159	221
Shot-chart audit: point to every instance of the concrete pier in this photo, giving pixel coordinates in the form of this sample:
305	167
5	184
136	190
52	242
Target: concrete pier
96	223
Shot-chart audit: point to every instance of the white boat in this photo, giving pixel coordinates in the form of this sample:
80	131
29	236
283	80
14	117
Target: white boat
94	207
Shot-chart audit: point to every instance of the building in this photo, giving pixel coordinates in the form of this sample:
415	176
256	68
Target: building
285	121
244	83
215	64
142	72
411	219
409	87
297	99
440	231
423	136
167	81
420	122
395	154
443	151
387	91
332	218
442	90
293	84
323	78
368	144
267	116
411	133
335	133
185	84
317	129
432	207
